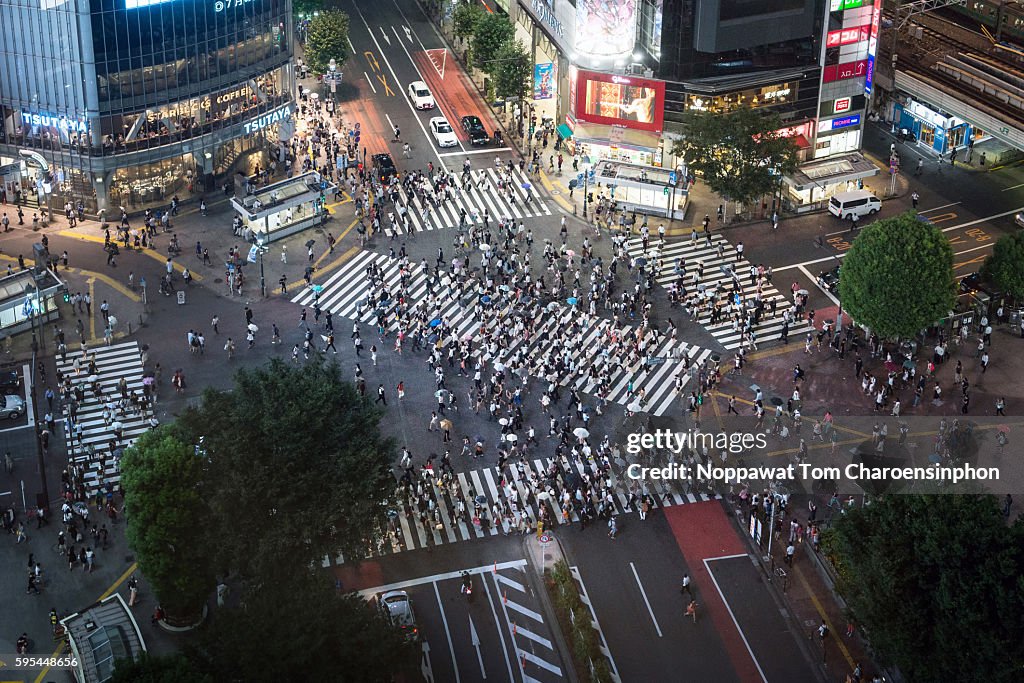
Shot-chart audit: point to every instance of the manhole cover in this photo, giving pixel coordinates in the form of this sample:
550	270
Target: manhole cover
554	192
218	280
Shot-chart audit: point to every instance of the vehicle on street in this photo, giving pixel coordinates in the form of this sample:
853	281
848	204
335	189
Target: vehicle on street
397	609
13	407
1019	220
384	166
442	132
420	95
854	204
475	130
829	280
10	382
973	282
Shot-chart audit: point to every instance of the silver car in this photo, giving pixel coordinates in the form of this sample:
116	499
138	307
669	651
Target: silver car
397	609
13	407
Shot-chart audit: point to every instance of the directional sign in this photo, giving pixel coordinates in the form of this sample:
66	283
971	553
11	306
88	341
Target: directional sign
592	175
672	178
474	638
579	177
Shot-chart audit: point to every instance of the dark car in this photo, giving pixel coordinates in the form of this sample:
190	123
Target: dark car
829	280
10	382
974	283
384	167
475	130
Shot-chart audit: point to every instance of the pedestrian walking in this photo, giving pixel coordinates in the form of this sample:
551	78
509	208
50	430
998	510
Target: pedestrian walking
380	395
133	591
691	610
686	586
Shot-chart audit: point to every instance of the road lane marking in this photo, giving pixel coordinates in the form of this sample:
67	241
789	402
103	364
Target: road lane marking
26	371
525	611
474	639
942	218
824	617
370	81
729	609
395	76
385	34
501	637
646	601
477	151
447	633
530	635
156	256
1007	189
534	659
487	568
944	206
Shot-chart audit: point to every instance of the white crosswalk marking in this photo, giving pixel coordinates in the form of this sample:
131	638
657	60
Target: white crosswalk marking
112	364
491	484
344	291
717	277
483	194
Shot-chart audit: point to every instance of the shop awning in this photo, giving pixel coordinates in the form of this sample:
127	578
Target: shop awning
564	131
801	142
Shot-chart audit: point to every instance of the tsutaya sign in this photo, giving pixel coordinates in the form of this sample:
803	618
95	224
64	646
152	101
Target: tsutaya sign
58	122
276	116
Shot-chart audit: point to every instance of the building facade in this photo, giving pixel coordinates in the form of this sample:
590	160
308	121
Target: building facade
129	102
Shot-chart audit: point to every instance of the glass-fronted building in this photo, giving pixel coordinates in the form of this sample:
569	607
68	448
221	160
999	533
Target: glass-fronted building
129	102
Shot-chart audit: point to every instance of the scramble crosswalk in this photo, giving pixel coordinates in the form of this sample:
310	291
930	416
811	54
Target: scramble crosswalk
659	381
92	452
409	530
484	194
720	265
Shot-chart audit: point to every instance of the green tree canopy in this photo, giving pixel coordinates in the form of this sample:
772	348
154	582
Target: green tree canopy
897	278
1005	267
164	484
938	583
305	8
151	669
309	627
739	154
491	32
297	451
513	69
465	18
327	39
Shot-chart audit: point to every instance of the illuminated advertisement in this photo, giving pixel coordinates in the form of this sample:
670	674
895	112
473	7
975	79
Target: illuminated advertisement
876	17
847	35
837	124
841	72
605	28
543	81
615	100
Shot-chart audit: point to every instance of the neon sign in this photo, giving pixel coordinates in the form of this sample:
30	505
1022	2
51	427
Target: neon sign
843	71
846	36
267	119
836	124
58	122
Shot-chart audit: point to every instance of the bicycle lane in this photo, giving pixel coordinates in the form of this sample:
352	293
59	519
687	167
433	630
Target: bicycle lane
760	642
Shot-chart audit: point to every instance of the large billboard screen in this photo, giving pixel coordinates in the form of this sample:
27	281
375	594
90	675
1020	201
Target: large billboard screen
616	100
605	28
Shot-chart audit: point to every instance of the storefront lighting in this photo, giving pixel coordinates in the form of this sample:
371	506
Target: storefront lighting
207	155
638	57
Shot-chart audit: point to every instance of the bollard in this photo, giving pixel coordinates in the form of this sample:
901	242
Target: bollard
129	328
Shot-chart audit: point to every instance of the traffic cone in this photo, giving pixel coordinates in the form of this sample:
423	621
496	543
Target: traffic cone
506	597
495	570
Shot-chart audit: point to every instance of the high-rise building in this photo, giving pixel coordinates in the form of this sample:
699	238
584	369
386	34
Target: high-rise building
129	102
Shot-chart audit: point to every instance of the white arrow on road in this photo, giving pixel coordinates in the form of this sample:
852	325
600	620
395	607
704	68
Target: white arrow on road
408	33
385	34
475	639
425	668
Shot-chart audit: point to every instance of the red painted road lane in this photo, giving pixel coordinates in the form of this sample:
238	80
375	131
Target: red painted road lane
455	95
702	531
366	110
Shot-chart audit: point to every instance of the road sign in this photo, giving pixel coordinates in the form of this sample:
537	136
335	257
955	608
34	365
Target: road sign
672	178
591	175
181	297
545	539
579	177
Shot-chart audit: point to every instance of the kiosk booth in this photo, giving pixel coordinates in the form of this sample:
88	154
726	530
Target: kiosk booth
285	208
29	298
643	189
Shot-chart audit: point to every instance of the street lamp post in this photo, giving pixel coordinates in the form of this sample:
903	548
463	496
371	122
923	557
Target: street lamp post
263	280
586	183
31	311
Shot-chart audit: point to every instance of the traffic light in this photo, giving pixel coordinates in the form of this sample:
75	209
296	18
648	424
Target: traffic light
67	296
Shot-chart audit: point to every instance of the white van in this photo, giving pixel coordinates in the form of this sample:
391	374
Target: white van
854	204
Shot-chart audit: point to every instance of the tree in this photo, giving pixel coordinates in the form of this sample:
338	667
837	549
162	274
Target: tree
152	669
327	39
513	69
937	582
305	8
310	627
467	15
297	451
739	154
897	278
163	482
1005	267
490	33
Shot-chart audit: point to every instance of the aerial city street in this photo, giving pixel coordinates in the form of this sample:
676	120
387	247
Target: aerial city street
515	340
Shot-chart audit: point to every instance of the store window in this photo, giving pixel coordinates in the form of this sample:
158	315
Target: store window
138	187
927	134
782	93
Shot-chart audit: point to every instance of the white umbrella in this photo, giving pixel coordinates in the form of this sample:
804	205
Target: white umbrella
484	246
440	393
511	438
499	367
543	495
252	327
112	321
503	421
635	407
581	433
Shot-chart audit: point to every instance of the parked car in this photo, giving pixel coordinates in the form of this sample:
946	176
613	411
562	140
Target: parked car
1019	220
13	407
974	283
10	382
384	166
420	95
442	132
397	609
475	130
